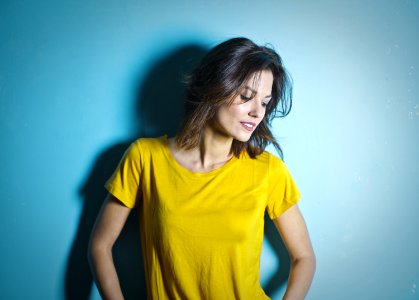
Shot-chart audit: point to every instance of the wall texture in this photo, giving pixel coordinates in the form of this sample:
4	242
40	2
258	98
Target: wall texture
80	79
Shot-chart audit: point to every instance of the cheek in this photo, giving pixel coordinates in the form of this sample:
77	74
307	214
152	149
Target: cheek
263	116
231	114
227	115
223	118
238	111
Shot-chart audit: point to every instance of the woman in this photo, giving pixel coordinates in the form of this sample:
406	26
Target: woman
202	195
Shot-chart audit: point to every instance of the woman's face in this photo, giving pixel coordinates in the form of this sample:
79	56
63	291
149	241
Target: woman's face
240	118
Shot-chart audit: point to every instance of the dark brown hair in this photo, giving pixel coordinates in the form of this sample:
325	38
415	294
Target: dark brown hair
218	79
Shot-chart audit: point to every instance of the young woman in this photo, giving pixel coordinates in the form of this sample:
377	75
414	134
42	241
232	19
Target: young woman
202	194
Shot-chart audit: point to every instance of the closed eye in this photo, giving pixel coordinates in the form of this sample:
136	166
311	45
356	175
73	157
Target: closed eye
244	98
267	100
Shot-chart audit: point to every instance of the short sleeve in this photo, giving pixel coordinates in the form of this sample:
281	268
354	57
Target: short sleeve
125	181
282	190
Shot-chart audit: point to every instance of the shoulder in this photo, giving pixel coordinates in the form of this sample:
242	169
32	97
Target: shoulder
265	158
143	149
265	162
272	163
149	144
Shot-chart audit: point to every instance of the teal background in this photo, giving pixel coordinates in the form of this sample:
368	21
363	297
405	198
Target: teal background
72	78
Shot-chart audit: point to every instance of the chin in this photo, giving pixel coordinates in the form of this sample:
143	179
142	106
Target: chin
242	138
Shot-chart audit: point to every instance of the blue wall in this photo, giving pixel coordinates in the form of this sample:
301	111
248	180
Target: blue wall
78	81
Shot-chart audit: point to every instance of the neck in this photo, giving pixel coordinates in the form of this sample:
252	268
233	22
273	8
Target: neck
213	151
214	148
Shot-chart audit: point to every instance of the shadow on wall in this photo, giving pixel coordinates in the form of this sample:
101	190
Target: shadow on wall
159	108
279	279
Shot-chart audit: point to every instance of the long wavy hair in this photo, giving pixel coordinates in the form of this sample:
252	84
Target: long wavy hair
223	71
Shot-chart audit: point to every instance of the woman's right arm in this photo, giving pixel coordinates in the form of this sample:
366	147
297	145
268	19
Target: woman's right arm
108	226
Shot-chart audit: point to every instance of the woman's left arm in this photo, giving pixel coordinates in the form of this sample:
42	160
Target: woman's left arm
293	230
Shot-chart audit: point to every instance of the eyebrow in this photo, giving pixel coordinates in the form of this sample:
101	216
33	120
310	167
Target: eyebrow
254	91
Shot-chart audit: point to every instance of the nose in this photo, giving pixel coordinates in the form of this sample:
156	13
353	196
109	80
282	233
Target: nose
256	109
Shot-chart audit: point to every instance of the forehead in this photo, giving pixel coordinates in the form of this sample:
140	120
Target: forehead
259	82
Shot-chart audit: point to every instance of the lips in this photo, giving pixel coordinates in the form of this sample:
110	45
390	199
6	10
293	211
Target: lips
249	126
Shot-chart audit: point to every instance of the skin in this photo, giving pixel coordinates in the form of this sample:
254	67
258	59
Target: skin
215	148
111	219
213	152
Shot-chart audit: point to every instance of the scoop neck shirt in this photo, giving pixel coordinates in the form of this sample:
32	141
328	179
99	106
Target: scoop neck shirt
201	232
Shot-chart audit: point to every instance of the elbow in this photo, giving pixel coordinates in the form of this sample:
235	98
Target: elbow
313	261
308	259
96	250
91	252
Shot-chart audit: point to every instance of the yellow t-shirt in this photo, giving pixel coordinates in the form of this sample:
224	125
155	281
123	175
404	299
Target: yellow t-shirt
201	233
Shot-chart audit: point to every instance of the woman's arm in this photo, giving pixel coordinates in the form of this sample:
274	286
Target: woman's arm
293	230
109	223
